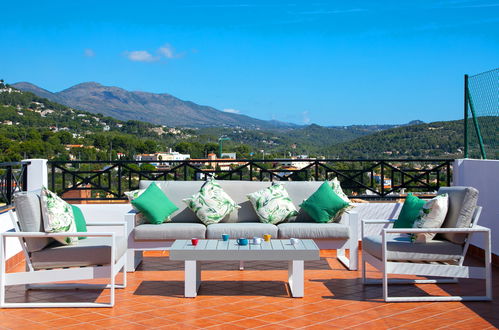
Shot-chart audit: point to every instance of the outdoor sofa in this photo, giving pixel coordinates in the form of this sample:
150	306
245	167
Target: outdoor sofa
243	222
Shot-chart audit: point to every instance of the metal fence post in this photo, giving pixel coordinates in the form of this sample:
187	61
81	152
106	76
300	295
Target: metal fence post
8	185
465	116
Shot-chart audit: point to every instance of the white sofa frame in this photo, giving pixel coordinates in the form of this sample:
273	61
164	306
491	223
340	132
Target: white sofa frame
32	278
350	218
448	273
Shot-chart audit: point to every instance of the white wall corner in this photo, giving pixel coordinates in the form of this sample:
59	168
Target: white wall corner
37	174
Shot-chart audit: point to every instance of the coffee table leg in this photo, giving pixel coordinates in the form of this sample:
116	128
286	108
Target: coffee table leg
296	278
192	275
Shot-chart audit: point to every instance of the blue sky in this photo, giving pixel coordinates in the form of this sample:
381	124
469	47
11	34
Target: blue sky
324	62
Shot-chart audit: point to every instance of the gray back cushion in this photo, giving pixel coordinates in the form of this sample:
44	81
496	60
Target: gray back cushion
237	190
462	203
29	215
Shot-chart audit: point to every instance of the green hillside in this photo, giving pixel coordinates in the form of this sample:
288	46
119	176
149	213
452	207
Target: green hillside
31	126
438	139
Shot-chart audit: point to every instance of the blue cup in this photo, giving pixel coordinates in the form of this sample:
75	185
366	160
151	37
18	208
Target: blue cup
242	241
225	237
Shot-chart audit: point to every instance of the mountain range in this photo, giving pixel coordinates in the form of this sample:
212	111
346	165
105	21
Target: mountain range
37	127
161	109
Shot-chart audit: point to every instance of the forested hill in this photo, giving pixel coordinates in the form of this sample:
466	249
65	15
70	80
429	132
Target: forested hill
32	127
437	139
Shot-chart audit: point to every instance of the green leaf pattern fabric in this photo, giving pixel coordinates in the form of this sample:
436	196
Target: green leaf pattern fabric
139	217
432	215
211	204
272	204
335	184
57	216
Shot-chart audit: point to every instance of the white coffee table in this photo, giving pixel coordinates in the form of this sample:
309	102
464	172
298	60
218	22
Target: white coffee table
218	250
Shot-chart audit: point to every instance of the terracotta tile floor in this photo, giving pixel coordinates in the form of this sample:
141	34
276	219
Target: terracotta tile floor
254	298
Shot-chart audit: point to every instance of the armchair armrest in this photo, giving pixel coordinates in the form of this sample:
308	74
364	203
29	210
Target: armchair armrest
378	221
114	223
129	219
42	234
366	223
474	229
351	219
122	224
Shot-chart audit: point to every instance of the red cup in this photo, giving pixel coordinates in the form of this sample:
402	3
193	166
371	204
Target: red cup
194	241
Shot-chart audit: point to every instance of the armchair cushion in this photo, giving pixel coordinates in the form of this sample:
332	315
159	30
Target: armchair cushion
401	248
29	215
462	204
88	252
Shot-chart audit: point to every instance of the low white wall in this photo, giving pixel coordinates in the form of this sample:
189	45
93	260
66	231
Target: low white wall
12	244
484	176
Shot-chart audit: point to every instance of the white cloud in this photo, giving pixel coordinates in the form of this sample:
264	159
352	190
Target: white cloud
167	51
140	56
89	52
305	117
164	52
231	111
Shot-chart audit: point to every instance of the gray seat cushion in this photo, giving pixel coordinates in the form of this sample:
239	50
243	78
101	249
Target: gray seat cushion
169	231
29	215
313	230
236	230
401	248
87	252
462	204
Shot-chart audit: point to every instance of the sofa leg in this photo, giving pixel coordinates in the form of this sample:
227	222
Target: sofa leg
134	258
241	265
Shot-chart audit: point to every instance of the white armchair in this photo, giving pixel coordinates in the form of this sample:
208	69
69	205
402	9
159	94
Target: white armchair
392	253
101	255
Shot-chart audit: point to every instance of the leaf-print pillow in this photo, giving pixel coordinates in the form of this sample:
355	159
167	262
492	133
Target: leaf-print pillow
131	195
432	215
272	204
58	216
335	184
211	204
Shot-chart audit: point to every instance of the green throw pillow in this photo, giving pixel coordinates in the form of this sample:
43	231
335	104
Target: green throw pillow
409	213
324	204
155	205
81	224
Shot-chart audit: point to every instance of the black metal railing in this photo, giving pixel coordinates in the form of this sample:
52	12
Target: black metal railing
13	178
364	178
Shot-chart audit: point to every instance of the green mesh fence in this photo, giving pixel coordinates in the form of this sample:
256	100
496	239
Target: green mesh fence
482	115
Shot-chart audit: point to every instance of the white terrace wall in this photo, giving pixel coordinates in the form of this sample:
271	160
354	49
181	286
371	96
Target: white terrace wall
481	174
484	176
